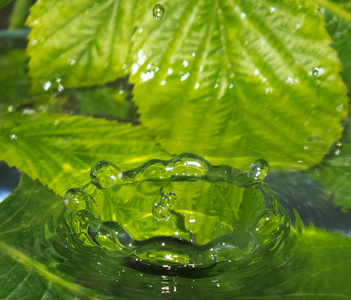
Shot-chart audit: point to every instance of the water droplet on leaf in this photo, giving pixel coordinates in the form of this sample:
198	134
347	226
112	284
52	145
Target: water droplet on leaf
259	170
158	11
13	136
46	85
105	175
76	199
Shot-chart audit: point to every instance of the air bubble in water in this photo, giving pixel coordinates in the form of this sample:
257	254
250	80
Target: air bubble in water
158	11
315	73
161	210
105	175
76	199
259	170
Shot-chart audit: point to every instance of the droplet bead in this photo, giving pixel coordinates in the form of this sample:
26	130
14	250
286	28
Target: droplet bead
76	199
158	11
259	170
168	199
105	175
111	235
160	212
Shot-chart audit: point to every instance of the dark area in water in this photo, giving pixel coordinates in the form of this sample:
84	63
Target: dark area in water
295	190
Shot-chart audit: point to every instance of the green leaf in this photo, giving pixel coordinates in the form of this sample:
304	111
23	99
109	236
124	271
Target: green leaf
24	272
81	42
20	13
323	258
59	150
37	261
237	81
4	2
339	29
15	86
14	83
335	170
104	102
342	8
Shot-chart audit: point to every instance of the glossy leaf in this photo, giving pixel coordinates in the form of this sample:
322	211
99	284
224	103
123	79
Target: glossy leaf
335	170
59	150
80	42
339	29
24	272
234	82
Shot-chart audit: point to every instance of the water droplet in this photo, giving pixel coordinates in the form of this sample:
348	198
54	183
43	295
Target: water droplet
71	61
185	76
268	223
156	170
339	144
317	72
161	210
60	87
168	199
46	85
76	199
13	136
190	165
259	170
272	10
10	108
158	11
113	236
105	175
